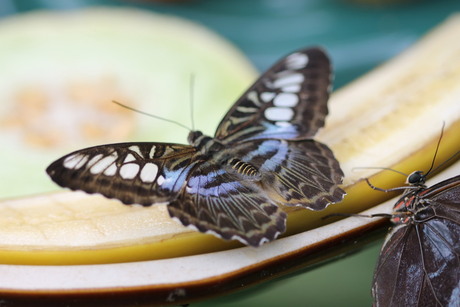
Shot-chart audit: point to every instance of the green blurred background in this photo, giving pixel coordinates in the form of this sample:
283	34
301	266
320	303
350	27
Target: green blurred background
359	35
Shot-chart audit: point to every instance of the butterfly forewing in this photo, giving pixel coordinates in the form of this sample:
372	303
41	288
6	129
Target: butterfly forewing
289	101
420	260
134	173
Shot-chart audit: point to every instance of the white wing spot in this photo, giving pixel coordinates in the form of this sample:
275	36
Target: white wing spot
111	170
296	61
267	96
288	79
152	152
94	160
293	88
136	149
283	124
129	171
286	100
82	162
149	172
129	158
72	161
105	162
252	96
246	109
160	180
279	114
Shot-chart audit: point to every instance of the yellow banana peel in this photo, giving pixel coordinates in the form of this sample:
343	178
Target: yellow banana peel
391	117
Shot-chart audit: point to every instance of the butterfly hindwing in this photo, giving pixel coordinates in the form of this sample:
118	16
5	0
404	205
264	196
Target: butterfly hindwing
295	173
309	176
289	101
134	173
239	198
229	206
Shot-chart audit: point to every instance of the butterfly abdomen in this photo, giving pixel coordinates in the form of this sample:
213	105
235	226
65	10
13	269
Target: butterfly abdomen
244	169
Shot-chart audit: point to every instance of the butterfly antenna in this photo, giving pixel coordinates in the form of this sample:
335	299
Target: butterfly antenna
447	161
151	115
192	94
381	168
437	149
385	215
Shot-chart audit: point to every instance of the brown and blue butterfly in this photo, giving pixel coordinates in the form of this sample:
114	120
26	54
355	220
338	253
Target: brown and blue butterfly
234	184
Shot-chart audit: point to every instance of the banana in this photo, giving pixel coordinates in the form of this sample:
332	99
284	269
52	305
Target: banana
391	117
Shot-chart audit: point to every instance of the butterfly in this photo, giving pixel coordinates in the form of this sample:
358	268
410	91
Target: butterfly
233	185
419	264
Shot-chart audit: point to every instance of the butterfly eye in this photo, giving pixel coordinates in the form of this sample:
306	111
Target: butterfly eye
416	178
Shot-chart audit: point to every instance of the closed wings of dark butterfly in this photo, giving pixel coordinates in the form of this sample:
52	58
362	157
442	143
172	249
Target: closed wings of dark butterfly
232	185
419	264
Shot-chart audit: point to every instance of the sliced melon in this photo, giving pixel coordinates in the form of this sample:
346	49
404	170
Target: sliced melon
60	72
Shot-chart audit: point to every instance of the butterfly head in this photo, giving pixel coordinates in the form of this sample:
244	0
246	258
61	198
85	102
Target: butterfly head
194	137
416	178
204	143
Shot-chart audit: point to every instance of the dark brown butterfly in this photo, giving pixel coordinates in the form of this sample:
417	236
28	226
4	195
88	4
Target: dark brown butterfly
419	264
